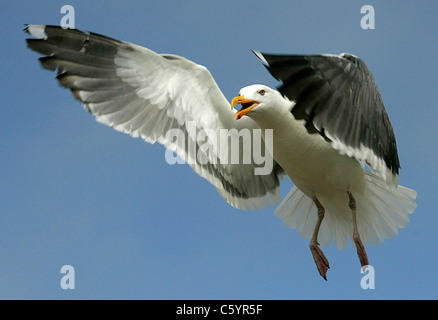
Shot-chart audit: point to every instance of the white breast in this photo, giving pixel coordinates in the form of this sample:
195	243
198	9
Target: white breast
309	160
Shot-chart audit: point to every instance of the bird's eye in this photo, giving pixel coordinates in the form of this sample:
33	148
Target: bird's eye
262	92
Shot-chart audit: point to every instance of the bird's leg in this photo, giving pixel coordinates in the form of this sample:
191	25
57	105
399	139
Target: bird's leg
361	253
318	256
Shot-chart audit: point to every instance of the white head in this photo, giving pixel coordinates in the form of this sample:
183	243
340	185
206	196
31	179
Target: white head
257	100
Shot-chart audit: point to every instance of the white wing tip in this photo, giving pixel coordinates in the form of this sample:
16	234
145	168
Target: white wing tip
37	31
366	155
260	56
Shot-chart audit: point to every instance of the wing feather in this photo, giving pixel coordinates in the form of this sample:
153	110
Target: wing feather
338	97
145	94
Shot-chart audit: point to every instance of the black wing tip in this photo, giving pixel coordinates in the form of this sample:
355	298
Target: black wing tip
350	56
43	32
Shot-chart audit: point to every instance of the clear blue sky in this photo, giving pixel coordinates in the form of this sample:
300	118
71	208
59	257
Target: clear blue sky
74	192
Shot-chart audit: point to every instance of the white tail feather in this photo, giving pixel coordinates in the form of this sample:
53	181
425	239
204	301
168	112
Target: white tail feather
381	211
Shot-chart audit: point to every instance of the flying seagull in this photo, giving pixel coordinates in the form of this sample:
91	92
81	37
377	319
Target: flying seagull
330	132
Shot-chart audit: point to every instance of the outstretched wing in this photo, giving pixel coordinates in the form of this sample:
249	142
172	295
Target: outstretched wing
147	95
338	98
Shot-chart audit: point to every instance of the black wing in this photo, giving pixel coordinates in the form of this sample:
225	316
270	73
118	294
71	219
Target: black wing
338	98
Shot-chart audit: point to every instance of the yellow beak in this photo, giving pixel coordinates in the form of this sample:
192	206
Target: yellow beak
247	106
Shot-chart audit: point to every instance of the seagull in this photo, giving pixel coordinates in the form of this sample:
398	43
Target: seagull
330	132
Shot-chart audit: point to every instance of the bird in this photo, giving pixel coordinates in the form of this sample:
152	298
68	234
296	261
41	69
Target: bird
325	127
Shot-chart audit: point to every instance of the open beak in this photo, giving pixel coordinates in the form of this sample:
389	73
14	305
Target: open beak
247	106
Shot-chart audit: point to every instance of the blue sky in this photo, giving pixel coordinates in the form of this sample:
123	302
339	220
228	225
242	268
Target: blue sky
74	192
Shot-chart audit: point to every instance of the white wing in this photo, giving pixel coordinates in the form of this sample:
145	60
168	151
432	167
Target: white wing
145	94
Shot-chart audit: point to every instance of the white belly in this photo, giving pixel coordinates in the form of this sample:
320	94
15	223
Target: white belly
311	162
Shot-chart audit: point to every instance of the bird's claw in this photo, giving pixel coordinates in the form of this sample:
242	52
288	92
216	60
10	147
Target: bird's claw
320	260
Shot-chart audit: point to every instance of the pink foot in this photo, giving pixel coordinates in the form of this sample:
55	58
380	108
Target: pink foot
320	260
